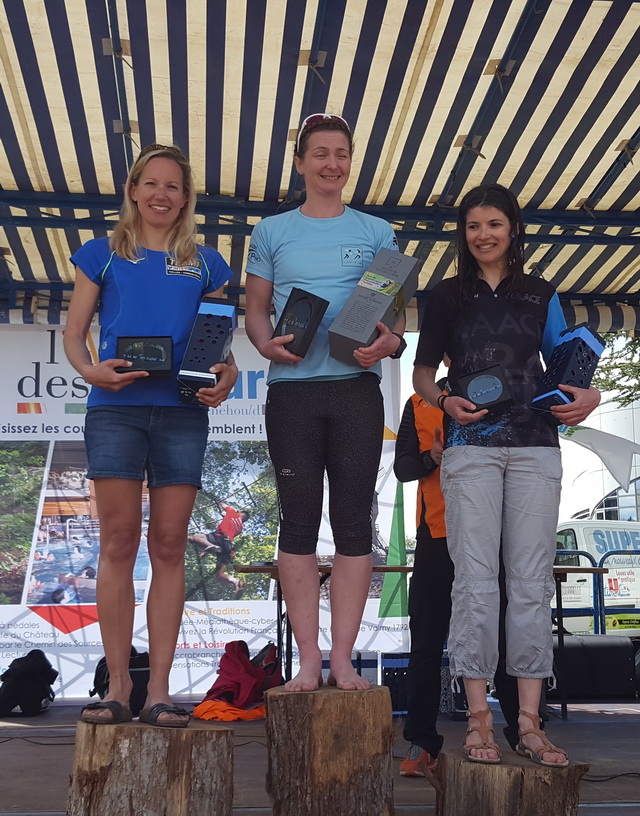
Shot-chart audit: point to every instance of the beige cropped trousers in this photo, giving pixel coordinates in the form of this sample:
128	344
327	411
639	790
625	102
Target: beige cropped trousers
507	496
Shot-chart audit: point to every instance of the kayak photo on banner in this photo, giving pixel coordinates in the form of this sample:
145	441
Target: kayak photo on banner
64	560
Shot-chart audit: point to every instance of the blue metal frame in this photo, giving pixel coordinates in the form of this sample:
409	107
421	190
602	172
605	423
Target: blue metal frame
596	611
433	217
613	610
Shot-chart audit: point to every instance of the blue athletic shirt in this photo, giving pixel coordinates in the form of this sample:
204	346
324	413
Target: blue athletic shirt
151	296
324	256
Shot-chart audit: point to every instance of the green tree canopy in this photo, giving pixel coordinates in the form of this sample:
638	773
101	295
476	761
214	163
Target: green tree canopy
239	474
619	368
21	471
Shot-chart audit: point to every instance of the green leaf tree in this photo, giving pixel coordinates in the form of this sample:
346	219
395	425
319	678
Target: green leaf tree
619	368
21	471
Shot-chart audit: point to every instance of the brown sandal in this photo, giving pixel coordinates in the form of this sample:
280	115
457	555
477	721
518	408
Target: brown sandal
535	754
484	730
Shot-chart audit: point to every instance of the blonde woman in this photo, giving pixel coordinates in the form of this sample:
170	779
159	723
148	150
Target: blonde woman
148	280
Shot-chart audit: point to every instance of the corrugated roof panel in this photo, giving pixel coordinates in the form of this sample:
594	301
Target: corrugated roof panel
270	70
77	47
407	56
232	99
537	57
396	106
229	82
197	69
466	83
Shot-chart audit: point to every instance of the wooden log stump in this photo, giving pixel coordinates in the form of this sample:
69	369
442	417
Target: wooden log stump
133	769
515	787
330	752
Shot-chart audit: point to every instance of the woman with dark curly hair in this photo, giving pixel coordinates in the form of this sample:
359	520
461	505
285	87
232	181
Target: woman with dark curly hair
501	468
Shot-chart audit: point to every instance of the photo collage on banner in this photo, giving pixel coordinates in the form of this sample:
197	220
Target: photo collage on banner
50	533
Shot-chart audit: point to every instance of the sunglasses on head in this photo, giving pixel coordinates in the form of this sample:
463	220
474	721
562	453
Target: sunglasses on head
317	119
153	148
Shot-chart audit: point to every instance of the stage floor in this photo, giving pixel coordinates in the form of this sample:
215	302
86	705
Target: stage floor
36	756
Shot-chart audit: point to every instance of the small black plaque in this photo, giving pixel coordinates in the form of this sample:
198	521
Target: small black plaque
148	353
301	317
486	388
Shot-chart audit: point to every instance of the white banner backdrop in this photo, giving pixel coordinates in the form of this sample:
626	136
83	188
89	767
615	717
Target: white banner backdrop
49	532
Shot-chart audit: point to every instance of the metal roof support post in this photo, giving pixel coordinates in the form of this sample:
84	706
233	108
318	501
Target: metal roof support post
112	12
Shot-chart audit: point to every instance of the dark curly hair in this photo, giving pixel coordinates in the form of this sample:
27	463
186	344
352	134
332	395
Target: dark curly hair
489	195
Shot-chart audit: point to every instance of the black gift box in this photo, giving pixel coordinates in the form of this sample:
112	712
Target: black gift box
301	317
573	362
146	353
209	343
486	388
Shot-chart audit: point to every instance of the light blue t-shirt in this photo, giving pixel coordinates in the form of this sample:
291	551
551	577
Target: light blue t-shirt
324	256
153	296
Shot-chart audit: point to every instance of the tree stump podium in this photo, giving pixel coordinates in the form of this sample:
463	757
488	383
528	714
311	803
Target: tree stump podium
133	769
515	787
330	752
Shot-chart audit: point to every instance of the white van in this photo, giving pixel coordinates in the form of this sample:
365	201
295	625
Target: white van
621	583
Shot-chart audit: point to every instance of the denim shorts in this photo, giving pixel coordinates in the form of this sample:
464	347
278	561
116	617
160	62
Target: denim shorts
127	441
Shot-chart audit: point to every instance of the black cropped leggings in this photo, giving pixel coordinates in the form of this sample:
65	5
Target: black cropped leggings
334	426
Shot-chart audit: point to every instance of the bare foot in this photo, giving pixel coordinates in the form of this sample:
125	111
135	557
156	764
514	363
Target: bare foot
309	678
344	676
475	738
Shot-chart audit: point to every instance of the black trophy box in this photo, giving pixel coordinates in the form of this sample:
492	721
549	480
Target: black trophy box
146	353
209	343
301	317
486	388
573	362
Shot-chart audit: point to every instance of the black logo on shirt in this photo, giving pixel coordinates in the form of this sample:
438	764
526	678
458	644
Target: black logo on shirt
352	256
192	270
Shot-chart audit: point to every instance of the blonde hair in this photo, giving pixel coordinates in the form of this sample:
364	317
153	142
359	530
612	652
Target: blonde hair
125	240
